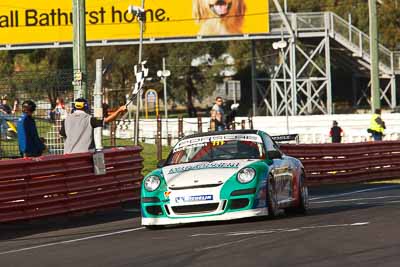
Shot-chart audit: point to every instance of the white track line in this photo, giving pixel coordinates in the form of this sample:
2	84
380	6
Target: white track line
272	231
225	244
354	199
70	241
356	192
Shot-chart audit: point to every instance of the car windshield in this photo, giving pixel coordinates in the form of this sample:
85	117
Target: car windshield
217	147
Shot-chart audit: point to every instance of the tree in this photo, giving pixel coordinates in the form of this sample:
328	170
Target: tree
190	79
46	72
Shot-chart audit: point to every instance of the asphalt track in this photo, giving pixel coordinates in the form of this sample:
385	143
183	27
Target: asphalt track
357	225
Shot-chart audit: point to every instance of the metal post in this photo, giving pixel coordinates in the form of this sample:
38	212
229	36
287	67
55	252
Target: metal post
79	49
283	55
285	90
98	111
373	32
98	156
159	138
139	94
199	124
180	127
328	74
253	77
164	78
293	73
393	103
350	27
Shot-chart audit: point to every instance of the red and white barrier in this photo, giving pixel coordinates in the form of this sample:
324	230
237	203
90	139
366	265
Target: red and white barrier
50	185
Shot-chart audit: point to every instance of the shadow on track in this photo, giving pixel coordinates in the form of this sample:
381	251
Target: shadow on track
23	228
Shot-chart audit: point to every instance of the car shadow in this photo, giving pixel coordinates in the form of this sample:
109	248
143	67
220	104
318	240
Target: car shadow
20	229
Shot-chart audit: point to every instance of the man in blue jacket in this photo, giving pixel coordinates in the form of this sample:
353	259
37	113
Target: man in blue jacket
30	145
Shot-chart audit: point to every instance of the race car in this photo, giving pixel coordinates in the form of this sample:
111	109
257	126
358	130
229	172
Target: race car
223	175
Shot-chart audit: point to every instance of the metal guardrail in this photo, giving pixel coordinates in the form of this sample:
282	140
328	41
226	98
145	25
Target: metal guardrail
348	163
55	185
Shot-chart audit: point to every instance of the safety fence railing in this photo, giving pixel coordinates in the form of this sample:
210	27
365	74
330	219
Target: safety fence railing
347	163
63	184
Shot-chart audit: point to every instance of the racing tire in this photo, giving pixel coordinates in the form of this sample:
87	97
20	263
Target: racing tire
272	198
302	206
303	195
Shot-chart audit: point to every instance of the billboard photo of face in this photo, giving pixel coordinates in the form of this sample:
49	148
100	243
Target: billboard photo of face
219	17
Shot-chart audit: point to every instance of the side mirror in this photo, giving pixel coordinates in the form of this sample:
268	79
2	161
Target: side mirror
161	163
274	154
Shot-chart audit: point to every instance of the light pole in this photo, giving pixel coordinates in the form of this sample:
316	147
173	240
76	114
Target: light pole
281	45
139	12
79	49
163	74
374	52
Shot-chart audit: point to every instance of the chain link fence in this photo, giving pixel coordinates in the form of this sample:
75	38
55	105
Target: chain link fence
45	89
53	94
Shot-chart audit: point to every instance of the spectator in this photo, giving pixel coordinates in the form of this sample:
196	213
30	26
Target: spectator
218	106
4	107
77	128
30	145
5	115
213	126
377	125
58	112
336	133
216	121
220	126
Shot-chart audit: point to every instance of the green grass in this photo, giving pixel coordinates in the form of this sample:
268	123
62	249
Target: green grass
149	153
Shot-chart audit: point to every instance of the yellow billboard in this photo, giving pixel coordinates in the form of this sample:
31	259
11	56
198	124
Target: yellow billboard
49	21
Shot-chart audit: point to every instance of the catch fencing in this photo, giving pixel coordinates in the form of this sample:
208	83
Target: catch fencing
347	163
45	88
63	184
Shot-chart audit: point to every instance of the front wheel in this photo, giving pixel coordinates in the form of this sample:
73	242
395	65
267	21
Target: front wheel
272	198
303	196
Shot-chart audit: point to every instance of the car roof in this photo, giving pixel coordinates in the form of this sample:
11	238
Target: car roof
221	133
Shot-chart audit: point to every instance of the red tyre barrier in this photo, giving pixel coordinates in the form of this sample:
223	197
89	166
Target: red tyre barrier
50	185
346	163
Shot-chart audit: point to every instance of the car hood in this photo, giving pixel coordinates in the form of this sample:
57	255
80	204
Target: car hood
202	173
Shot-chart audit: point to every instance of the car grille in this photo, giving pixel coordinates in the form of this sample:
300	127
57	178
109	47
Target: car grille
195	186
195	208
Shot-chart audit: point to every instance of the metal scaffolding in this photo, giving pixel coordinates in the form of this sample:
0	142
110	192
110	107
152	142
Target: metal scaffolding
305	69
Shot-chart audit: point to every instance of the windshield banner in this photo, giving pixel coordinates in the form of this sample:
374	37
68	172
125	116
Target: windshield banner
202	141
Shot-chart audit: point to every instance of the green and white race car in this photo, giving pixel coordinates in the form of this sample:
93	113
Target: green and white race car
223	176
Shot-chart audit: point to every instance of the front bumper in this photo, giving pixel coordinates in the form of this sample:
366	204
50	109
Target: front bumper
221	217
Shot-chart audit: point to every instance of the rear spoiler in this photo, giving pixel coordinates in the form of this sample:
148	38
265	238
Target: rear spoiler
286	138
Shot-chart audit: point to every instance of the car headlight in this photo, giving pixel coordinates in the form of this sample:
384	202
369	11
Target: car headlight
151	183
246	175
